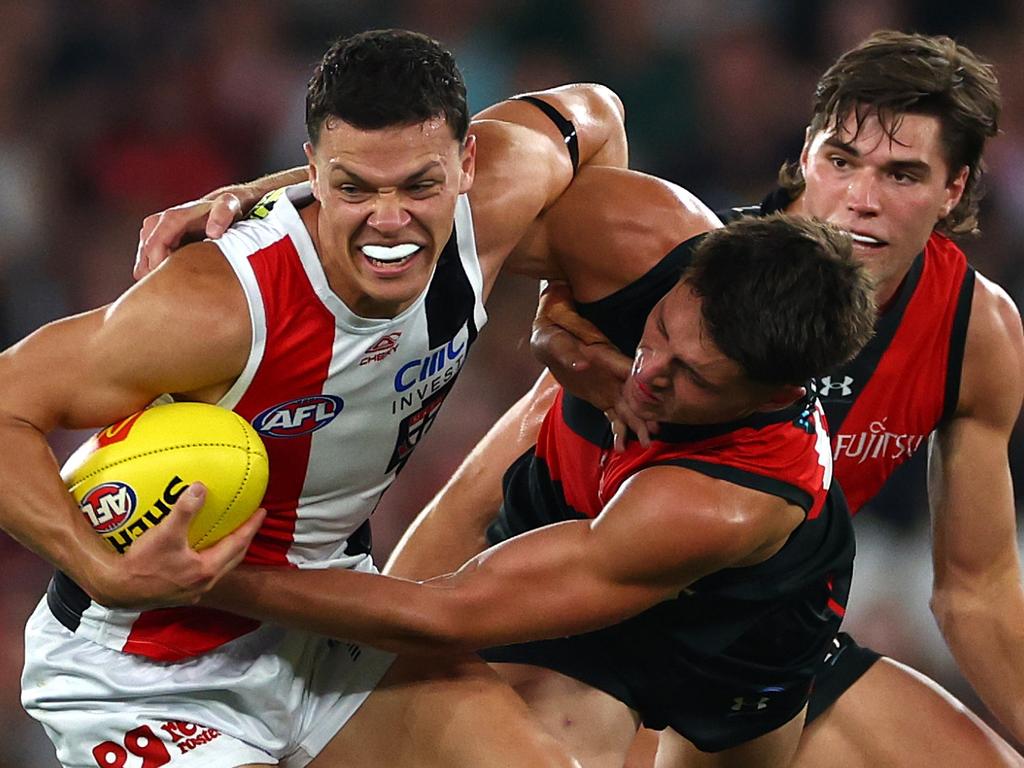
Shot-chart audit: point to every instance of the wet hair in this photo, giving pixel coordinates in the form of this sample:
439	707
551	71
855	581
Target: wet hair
782	296
892	74
383	78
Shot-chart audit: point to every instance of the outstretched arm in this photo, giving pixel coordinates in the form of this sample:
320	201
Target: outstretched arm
977	597
562	579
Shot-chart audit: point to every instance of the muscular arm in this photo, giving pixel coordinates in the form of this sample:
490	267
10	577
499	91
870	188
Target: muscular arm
561	579
92	369
977	597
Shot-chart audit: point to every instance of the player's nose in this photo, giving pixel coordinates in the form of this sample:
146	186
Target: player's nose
388	214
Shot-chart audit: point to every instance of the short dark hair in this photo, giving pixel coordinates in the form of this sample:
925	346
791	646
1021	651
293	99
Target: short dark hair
892	74
383	78
782	296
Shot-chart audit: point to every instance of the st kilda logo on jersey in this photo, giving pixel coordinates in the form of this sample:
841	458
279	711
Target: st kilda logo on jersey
109	506
298	417
381	348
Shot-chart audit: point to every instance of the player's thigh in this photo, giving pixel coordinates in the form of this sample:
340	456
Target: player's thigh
643	749
442	713
771	749
595	727
894	715
152	743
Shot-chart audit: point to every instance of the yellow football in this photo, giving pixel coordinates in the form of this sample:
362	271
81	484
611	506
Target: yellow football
126	477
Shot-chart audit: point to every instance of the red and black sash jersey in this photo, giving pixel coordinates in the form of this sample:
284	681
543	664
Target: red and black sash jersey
884	403
573	473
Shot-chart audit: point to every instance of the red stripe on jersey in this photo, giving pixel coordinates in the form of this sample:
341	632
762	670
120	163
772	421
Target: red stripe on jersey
173	634
903	400
572	461
296	357
780	452
590	475
296	362
836	608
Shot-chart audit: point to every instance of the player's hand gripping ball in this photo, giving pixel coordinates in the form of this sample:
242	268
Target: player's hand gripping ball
127	477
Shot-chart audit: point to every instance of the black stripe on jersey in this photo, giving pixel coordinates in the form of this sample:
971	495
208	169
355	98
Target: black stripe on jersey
361	540
957	343
450	300
621	315
864	365
586	421
691	433
67	601
741	477
530	500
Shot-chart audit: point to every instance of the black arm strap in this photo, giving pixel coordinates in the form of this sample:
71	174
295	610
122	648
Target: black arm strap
565	127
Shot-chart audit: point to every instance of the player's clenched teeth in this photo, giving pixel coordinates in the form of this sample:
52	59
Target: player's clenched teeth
385	256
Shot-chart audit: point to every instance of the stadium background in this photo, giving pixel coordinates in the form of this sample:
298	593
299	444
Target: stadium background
112	109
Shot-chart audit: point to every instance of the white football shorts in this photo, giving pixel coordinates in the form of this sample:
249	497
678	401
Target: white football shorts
273	696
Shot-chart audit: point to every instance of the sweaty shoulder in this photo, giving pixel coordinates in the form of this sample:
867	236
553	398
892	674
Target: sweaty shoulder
993	372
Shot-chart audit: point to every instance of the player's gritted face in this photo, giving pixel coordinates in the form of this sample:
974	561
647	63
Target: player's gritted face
387	205
679	375
888	193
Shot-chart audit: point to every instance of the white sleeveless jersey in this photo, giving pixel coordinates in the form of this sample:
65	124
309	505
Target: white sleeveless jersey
339	400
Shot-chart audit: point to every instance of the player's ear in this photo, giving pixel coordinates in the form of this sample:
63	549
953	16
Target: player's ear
806	149
467	161
311	168
782	397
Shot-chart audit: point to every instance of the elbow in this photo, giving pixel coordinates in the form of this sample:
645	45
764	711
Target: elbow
606	101
942	606
955	609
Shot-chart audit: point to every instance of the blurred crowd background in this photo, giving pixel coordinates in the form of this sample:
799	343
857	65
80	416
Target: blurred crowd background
112	109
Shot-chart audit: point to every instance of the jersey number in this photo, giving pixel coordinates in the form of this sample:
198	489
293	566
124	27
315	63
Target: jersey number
140	742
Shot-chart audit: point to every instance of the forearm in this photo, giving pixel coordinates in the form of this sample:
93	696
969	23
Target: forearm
546	583
39	513
250	192
983	625
389	613
452	528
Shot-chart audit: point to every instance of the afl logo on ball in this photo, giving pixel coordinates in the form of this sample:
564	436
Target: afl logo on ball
109	506
298	417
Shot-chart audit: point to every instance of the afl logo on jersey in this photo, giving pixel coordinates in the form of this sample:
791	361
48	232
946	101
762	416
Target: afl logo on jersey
109	506
298	417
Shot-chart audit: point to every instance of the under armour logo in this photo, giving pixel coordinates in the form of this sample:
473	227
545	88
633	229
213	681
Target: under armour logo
740	703
827	385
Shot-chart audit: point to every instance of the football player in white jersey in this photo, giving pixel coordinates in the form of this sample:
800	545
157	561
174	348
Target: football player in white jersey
389	154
